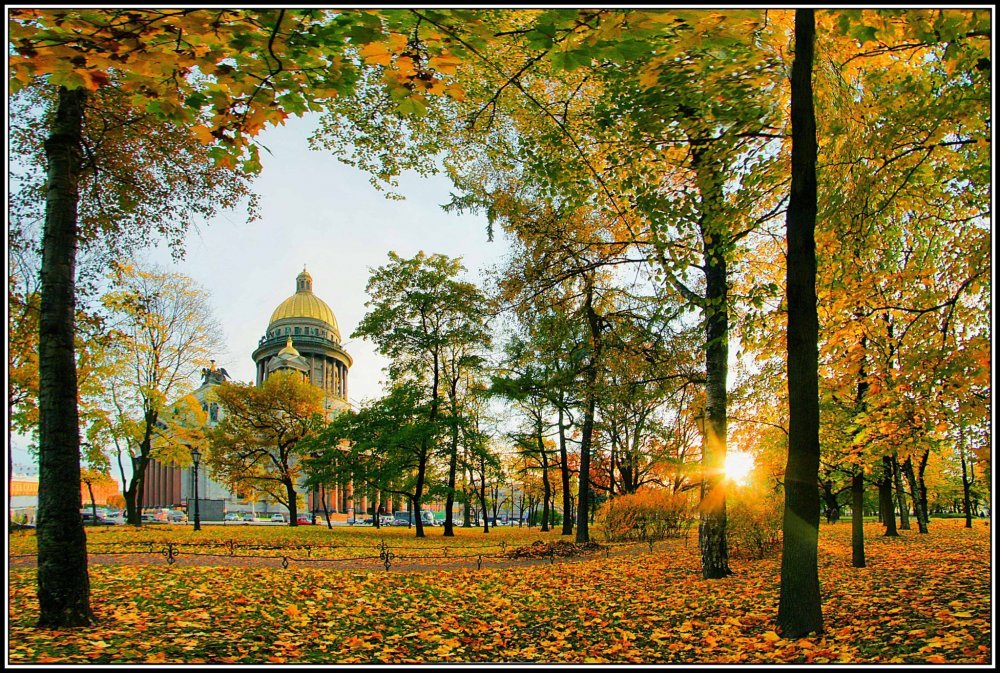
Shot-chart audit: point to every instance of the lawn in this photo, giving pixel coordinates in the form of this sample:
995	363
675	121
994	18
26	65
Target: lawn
923	599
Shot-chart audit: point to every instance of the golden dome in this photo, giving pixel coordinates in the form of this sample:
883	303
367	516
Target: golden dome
289	349
304	304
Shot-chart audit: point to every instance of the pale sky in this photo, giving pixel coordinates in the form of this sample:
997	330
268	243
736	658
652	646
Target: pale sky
318	212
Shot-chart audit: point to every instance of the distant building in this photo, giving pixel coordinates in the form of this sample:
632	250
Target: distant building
24	496
302	336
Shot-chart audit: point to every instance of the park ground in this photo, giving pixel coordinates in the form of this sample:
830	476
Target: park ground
922	599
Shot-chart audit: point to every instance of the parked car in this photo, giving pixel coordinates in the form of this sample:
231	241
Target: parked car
176	516
404	519
89	520
248	516
385	519
233	516
304	520
277	517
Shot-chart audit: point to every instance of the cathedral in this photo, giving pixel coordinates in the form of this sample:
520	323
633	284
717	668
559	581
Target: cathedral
301	336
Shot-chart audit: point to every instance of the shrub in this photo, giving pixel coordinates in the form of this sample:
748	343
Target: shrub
754	524
645	516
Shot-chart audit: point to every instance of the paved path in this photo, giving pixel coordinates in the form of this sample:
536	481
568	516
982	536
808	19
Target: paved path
401	561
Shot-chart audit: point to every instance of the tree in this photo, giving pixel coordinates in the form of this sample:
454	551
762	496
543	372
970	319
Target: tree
430	325
178	66
260	442
800	608
164	335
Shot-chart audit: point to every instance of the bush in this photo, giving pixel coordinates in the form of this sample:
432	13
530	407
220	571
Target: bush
645	516
754	524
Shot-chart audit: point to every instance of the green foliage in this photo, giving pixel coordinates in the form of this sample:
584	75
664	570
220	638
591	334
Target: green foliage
648	516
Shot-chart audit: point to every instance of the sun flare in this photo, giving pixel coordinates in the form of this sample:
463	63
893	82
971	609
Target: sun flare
739	465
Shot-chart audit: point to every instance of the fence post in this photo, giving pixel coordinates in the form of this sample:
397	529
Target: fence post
170	553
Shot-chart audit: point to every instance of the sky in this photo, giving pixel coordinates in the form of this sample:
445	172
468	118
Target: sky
318	213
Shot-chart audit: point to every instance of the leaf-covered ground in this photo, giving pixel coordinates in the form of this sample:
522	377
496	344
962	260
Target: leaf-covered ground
923	599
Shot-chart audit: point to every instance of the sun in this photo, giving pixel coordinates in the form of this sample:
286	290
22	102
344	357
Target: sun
739	465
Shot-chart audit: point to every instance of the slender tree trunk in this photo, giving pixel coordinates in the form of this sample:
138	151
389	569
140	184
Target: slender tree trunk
567	497
922	485
858	519
800	606
449	518
904	510
912	481
966	481
419	491
712	523
326	509
63	581
293	505
467	511
482	493
885	498
93	505
10	470
546	487
590	406
830	498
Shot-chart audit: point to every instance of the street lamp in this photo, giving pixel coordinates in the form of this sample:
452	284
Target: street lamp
196	457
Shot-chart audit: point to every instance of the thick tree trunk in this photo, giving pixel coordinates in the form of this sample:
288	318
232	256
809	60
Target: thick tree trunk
63	581
918	511
897	478
885	498
858	519
800	607
567	497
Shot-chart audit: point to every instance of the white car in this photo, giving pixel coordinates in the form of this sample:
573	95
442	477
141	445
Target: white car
277	518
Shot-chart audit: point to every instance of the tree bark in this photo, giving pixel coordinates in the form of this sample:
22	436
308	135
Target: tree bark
63	581
966	481
712	525
800	608
918	511
546	487
885	498
922	486
449	523
293	505
858	518
897	478
567	497
590	405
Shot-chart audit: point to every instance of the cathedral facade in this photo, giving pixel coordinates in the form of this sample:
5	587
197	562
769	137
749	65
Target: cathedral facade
303	336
